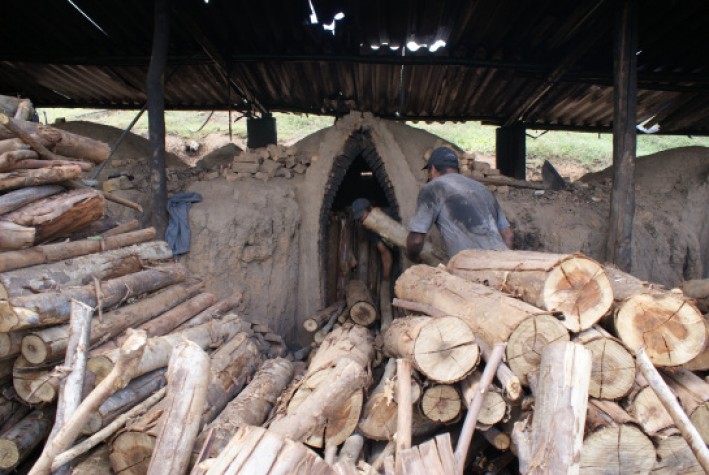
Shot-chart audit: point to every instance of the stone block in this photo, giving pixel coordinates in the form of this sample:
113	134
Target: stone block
243	167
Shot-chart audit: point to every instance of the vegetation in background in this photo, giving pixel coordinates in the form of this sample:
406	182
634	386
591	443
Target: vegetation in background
590	150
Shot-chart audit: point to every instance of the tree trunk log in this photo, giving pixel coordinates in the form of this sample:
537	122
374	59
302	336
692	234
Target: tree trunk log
613	366
173	318
443	348
10	161
693	394
441	403
11	344
603	413
701	361
360	304
349	453
60	215
404	414
560	409
50	308
9	104
647	410
18	442
81	270
620	449
527	342
14	236
571	284
19	198
187	376
666	323
40	176
494	407
214	312
158	349
49	344
66	250
394	232
10	408
331	390
320	318
9	145
68	144
252	449
251	406
675	457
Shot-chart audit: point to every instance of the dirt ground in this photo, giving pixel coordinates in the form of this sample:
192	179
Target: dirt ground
246	232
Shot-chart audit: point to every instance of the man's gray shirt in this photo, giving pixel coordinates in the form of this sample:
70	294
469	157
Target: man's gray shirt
465	211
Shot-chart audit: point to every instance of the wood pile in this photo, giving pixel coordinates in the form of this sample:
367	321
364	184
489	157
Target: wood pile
264	163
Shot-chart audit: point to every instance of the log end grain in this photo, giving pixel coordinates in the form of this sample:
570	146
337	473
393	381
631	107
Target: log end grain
700	420
619	449
669	327
9	454
494	408
34	349
131	453
441	403
612	371
674	456
99	365
527	341
445	350
363	313
578	288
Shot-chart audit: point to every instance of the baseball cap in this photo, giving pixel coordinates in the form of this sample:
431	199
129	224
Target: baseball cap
359	206
442	158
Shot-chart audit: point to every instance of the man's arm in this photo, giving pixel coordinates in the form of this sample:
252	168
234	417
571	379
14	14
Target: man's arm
387	260
414	246
508	236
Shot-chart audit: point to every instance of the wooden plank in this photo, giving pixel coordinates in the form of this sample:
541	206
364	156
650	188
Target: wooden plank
431	460
445	452
410	462
264	455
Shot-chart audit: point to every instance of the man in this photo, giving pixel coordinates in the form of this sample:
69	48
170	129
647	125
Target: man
465	211
361	208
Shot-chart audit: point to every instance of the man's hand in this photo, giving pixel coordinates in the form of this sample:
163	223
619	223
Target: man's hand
414	246
387	260
508	236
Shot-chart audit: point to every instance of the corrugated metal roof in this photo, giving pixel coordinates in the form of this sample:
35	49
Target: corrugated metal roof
497	54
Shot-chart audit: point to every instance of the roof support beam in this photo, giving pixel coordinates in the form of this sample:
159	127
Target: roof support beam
155	85
569	59
625	83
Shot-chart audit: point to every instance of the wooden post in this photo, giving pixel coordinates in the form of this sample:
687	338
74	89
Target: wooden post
155	85
403	419
511	151
625	90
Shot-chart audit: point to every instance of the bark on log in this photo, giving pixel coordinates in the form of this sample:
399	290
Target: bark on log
360	305
8	145
66	250
48	344
571	284
494	407
666	323
18	159
19	198
623	449
176	316
33	142
693	394
40	176
251	406
60	215
493	316
81	270
319	319
124	227
158	349
14	236
613	367
50	308
560	410
66	143
254	448
441	403
349	453
11	344
18	442
394	232
214	312
11	409
187	376
442	348
331	389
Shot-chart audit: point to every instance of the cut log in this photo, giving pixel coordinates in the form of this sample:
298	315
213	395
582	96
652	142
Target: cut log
124	227
187	376
60	215
68	144
645	407
124	399
9	104
604	413
571	284
251	406
95	463
527	342
19	198
11	344
441	348
666	323
618	449
158	349
349	453
319	319
360	305
254	450
49	344
699	291
13	236
328	401
701	361
13	160
693	394
394	232
560	410
8	145
66	250
34	385
18	442
41	176
675	457
498	439
403	413
9	407
613	366
214	312
441	403
48	308
176	316
494	407
81	270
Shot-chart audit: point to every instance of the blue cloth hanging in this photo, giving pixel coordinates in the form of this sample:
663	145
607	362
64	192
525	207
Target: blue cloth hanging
177	233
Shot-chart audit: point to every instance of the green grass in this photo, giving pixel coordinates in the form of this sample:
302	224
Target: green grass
593	151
